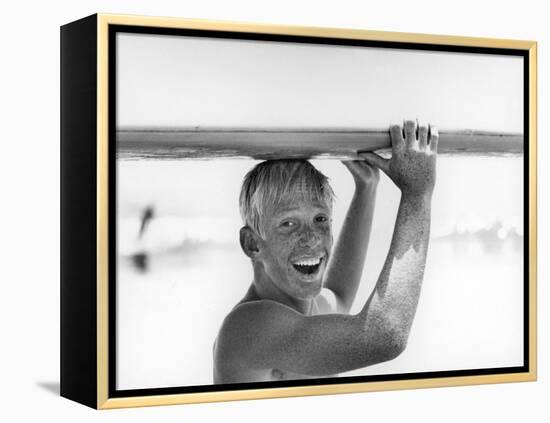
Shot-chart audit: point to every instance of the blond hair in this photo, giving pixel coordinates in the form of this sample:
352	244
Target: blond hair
271	181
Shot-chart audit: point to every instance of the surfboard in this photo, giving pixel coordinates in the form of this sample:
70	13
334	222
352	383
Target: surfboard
312	143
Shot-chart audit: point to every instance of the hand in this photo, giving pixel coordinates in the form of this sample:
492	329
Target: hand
364	174
412	165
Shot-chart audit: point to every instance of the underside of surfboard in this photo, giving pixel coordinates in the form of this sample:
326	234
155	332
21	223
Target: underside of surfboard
312	143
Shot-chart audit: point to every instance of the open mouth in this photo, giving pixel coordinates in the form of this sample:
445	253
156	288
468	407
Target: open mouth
308	266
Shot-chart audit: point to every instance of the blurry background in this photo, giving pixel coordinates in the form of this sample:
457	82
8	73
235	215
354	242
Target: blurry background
178	278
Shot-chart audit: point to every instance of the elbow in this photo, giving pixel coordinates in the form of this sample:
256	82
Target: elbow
395	345
388	345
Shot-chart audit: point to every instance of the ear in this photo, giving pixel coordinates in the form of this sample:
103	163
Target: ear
249	242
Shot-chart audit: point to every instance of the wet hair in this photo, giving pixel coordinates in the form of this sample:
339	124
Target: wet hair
273	181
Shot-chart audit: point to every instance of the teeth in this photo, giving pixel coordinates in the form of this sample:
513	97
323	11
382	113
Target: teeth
308	262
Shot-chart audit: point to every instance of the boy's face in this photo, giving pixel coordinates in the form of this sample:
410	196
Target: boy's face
296	245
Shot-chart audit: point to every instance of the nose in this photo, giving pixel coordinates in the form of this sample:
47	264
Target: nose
309	238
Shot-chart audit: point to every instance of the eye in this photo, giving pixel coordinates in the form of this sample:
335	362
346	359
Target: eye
288	224
321	219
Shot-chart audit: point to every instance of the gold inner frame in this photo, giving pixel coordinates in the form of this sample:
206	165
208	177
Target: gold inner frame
103	22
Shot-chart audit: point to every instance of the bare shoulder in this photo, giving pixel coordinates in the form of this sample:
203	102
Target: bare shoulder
249	319
258	318
243	335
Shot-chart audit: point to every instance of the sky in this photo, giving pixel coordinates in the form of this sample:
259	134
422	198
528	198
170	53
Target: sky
188	81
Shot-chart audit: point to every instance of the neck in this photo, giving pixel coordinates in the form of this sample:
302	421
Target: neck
266	289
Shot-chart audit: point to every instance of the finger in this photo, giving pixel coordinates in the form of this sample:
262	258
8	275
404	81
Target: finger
396	134
366	165
367	168
361	169
351	164
377	161
422	137
410	132
356	167
372	170
433	137
366	171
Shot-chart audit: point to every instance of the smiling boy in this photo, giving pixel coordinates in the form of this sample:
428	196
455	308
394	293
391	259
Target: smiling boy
294	321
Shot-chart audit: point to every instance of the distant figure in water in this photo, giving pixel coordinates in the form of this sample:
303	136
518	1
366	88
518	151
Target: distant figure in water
146	216
140	258
294	322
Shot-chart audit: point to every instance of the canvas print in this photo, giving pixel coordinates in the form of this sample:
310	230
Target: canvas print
291	211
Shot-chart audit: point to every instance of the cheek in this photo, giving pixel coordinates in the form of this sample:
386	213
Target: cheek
285	247
326	236
280	248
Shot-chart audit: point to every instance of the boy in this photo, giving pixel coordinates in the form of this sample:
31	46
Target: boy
293	322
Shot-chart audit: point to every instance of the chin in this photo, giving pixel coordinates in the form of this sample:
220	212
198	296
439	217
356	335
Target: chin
307	287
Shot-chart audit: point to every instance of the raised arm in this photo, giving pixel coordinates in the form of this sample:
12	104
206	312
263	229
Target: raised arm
390	310
348	258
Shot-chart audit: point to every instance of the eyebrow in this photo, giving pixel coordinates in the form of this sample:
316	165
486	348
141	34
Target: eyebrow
294	208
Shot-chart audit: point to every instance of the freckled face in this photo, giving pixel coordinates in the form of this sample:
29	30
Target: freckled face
296	246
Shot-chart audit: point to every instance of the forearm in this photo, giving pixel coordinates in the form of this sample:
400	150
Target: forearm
389	312
347	260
